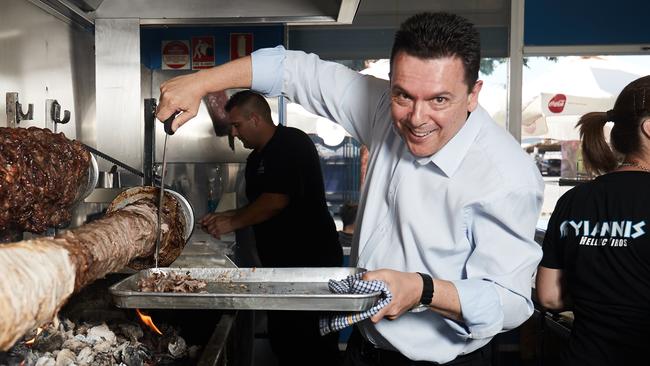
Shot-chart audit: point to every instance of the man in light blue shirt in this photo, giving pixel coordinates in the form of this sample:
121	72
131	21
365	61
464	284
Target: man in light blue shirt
450	203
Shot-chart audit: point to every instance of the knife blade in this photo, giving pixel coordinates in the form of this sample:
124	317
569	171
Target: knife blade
161	189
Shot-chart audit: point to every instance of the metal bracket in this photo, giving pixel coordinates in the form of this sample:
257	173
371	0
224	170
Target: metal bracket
53	114
15	110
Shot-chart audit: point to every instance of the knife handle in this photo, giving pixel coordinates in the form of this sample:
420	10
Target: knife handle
168	124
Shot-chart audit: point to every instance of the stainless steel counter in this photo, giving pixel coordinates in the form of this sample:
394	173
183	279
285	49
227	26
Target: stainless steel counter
205	251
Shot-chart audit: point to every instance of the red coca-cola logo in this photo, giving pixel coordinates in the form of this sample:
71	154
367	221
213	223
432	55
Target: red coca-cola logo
556	104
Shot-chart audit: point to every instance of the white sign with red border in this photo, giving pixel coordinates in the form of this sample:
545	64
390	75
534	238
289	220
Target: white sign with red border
175	55
202	52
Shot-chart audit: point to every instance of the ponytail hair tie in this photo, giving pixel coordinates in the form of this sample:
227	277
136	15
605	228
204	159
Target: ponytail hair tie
610	115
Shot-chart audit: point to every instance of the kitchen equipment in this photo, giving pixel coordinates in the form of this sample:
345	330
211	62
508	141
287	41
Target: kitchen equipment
178	214
93	176
133	194
248	288
109	179
107	157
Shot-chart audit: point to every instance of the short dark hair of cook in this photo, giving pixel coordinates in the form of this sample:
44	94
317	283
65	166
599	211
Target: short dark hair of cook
348	213
437	35
250	100
631	108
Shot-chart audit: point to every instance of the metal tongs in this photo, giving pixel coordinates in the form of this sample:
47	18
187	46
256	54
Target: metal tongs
161	198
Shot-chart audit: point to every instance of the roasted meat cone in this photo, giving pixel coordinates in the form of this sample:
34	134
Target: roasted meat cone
37	276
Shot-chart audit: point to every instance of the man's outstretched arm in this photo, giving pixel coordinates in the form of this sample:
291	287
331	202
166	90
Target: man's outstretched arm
183	94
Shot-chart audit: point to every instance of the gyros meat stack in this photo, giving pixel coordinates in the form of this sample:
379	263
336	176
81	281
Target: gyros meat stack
40	176
37	276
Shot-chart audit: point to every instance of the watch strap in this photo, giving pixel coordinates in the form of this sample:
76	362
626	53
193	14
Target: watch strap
427	289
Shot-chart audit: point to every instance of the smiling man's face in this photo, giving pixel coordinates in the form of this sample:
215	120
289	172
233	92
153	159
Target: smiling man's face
430	101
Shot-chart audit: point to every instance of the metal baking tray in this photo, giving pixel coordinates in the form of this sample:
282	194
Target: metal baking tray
249	289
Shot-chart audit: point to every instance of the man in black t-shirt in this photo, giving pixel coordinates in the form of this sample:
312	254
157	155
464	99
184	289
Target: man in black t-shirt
290	219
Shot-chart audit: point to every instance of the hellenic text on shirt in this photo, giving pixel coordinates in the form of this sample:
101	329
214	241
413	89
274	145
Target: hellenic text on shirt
606	233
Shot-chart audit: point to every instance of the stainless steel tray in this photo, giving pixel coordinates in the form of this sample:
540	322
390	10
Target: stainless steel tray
250	289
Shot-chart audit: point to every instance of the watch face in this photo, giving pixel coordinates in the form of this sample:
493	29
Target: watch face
419	308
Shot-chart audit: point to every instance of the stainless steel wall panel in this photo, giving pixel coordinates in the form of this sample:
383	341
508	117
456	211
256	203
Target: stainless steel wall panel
192	181
119	100
45	58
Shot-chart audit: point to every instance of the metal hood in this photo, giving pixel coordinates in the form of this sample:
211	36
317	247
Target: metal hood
192	12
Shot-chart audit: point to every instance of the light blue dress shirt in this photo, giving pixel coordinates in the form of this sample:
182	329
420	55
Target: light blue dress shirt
466	214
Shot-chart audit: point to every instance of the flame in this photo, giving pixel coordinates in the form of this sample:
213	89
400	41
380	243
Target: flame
31	341
146	319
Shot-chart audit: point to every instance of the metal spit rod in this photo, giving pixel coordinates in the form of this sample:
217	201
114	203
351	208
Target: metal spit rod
168	132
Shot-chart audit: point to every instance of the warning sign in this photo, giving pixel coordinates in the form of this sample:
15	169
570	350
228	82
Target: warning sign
202	52
175	55
241	44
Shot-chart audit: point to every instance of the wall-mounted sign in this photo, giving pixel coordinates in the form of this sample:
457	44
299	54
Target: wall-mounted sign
241	44
175	55
226	43
202	52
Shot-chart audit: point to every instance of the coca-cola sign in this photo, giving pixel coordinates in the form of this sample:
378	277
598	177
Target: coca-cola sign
557	103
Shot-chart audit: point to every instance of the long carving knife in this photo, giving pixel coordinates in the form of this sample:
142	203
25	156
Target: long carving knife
161	197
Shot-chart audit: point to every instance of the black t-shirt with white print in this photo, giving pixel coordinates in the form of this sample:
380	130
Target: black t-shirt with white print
599	235
303	234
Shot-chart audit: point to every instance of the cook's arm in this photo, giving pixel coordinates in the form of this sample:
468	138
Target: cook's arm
324	88
550	288
184	93
406	288
496	295
266	206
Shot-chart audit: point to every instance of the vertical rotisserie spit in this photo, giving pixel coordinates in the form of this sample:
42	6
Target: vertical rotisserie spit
39	275
42	175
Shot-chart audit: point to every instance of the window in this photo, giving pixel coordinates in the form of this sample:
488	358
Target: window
555	93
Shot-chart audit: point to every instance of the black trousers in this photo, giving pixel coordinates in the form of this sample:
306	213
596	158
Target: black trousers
363	353
295	339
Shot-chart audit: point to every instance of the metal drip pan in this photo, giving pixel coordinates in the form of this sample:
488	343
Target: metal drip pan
248	289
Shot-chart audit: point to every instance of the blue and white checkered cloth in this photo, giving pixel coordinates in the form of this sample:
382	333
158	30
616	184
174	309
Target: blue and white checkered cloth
354	285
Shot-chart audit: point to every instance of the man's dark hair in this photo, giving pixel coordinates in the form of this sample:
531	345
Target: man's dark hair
251	102
438	35
348	213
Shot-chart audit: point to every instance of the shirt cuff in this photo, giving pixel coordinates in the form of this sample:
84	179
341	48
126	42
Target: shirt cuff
481	307
268	65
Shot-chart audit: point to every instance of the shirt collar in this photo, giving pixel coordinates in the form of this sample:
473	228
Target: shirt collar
452	154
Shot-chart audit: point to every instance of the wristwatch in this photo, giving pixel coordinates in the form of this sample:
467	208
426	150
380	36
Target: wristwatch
427	289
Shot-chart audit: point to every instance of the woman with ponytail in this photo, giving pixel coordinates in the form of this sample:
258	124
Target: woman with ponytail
597	246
